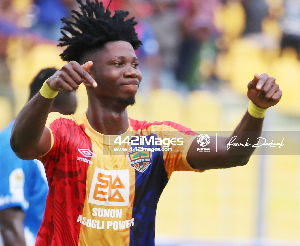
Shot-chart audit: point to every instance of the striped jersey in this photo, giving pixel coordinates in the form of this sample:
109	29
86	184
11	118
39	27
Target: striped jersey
104	189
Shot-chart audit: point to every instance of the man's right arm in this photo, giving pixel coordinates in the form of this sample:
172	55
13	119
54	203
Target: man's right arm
30	138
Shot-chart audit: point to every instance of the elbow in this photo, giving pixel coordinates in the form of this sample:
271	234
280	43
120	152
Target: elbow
19	151
13	144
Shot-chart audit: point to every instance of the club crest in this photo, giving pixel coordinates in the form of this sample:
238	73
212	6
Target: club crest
140	160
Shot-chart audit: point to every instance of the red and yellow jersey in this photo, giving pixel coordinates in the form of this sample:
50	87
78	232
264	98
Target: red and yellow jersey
103	190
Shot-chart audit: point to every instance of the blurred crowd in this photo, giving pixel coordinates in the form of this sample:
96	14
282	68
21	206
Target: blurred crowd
186	42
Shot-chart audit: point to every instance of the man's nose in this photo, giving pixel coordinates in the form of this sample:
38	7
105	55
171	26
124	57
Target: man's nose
131	72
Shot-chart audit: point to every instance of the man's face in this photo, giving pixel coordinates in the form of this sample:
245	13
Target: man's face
116	72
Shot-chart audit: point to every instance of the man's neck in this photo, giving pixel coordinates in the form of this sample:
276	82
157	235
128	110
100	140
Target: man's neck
108	121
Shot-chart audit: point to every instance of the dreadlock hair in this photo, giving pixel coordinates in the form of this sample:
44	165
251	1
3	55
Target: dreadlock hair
93	27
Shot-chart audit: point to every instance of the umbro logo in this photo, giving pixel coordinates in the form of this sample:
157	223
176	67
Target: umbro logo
86	153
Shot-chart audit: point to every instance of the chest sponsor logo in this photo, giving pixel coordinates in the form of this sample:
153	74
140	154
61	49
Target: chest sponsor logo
140	160
110	187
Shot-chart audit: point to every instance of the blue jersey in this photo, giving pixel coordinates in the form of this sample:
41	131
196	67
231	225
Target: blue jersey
22	184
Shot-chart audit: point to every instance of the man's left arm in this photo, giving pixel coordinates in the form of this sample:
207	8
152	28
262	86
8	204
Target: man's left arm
263	92
12	220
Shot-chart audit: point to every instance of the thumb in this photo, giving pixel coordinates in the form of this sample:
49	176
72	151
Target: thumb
252	84
86	66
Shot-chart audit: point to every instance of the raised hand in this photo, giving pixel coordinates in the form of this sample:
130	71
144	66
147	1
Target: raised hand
263	91
70	76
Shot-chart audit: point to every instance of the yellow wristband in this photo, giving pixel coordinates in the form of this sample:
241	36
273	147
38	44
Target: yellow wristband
255	111
47	92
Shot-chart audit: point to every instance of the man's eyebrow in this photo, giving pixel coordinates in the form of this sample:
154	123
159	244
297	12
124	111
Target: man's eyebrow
123	57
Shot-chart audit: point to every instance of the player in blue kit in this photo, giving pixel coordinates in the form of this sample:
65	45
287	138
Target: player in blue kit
23	184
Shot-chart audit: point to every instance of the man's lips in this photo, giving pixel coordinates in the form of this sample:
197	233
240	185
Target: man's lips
131	83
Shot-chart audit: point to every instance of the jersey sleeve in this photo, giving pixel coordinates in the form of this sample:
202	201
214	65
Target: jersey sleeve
67	136
54	124
175	155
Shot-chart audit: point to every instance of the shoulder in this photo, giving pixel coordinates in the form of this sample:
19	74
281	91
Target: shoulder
56	115
55	118
158	126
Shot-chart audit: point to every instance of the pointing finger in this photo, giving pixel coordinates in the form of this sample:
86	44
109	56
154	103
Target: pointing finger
87	78
82	71
86	66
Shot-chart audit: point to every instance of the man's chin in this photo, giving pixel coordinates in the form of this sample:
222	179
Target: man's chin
127	101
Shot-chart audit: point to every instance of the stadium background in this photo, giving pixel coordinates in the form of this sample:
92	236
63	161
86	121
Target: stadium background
258	204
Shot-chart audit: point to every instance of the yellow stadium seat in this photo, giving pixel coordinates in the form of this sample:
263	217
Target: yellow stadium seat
246	59
290	54
275	3
165	212
286	70
5	112
223	66
203	111
25	68
272	27
231	19
283	197
21	97
22	5
137	111
164	105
